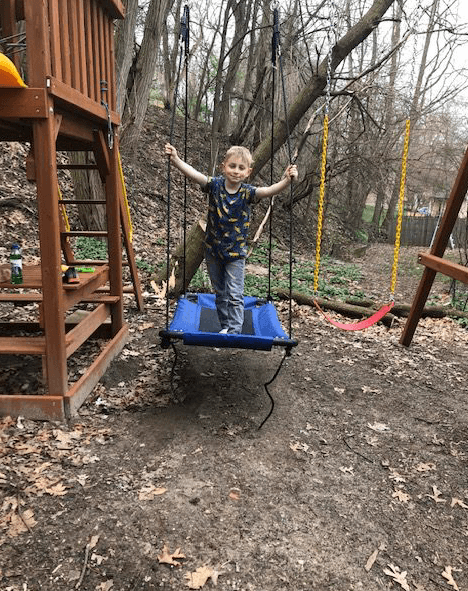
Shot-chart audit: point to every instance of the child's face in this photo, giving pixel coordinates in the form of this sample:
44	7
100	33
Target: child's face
235	169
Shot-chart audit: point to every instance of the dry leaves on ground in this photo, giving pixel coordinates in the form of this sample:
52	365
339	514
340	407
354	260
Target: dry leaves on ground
398	576
198	578
166	557
447	574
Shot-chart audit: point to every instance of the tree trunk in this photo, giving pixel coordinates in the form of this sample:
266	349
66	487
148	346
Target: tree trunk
194	254
137	103
88	185
389	114
124	44
170	62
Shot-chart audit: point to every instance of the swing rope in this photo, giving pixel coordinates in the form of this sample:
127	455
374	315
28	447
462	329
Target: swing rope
185	35
276	54
184	44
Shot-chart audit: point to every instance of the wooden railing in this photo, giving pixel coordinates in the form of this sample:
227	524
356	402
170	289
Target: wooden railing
69	42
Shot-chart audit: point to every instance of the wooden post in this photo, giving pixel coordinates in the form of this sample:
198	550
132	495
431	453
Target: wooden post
44	136
452	209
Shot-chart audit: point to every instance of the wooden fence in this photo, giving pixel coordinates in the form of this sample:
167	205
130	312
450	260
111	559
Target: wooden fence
419	231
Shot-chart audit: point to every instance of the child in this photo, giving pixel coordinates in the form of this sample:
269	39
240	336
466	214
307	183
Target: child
229	206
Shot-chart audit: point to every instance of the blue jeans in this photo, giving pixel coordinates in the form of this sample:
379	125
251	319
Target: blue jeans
227	280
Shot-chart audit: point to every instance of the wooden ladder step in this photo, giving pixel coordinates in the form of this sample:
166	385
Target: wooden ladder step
91	262
23	298
126	289
82	201
77	166
23	345
101	299
85	233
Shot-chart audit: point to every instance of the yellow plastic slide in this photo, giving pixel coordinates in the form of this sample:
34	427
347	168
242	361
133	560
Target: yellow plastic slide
9	75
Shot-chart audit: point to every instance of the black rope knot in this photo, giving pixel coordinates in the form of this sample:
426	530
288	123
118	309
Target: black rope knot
275	40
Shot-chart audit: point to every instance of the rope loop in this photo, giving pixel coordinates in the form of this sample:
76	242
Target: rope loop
184	29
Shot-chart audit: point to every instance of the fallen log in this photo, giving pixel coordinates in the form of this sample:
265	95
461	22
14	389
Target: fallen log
356	308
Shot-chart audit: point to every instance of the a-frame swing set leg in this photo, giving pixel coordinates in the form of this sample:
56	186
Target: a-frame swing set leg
434	262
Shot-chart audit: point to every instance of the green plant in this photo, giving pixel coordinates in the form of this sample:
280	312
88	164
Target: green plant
362	236
87	247
200	280
144	266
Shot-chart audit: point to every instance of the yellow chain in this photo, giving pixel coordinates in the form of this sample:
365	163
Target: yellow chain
323	174
64	211
127	207
401	200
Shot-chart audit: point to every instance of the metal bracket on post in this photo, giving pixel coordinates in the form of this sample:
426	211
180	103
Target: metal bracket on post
110	130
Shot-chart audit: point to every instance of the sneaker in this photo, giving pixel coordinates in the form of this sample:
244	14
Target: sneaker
223	331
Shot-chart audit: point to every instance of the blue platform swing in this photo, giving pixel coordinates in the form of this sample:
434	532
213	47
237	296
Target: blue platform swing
195	320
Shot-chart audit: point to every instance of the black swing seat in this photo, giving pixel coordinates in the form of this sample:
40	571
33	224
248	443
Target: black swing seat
195	322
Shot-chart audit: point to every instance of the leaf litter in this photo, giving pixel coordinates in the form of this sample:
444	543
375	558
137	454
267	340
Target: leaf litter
292	504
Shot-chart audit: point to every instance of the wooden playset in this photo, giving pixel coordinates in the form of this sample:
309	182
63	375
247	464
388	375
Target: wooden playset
433	261
58	94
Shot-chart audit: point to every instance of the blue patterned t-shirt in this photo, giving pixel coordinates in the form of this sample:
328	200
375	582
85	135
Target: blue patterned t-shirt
228	218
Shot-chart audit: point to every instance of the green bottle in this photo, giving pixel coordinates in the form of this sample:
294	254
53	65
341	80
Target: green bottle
16	262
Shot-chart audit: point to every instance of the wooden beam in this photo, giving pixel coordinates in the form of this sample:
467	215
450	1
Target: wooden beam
76	292
26	103
22	346
36	408
82	388
454	270
25	298
76	128
82	331
83	201
77	167
38	49
76	101
131	261
452	209
51	273
56	50
101	155
102	233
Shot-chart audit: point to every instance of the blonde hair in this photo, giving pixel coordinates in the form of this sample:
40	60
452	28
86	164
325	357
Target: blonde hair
241	152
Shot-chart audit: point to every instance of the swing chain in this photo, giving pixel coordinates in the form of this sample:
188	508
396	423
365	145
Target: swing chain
331	29
323	164
401	200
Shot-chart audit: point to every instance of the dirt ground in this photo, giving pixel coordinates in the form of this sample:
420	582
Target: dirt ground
356	481
164	481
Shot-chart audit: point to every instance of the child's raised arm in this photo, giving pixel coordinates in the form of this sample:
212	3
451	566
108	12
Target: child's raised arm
190	172
290	174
